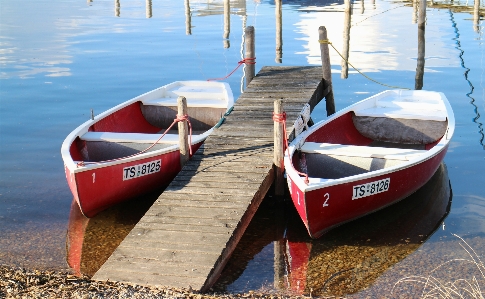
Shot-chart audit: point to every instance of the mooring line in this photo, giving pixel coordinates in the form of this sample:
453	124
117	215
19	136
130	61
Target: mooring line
326	41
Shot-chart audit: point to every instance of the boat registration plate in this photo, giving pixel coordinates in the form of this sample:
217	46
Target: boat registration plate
136	171
371	188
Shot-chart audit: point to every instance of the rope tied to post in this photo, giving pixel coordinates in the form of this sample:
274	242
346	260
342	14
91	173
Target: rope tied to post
179	118
328	42
248	60
185	118
281	118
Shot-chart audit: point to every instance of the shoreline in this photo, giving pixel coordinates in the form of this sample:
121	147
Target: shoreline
17	282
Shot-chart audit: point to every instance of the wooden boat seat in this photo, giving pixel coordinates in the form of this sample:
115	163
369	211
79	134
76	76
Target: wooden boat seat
404	113
423	108
130	137
191	102
361	151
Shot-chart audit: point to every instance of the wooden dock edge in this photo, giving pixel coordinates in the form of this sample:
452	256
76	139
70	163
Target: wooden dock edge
238	232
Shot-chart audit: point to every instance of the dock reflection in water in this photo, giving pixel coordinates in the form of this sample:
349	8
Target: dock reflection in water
91	241
347	259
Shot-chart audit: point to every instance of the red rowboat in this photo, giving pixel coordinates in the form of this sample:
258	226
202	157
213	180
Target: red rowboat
105	159
367	156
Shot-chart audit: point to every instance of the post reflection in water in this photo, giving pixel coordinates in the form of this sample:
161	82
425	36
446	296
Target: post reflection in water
476	16
117	8
347	259
91	241
148	9
188	18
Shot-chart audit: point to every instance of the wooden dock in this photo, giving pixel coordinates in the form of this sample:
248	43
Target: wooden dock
189	233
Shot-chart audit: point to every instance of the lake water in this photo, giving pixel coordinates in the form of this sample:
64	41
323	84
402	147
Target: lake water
60	59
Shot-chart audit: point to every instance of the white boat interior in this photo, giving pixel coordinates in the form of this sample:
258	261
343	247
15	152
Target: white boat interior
402	128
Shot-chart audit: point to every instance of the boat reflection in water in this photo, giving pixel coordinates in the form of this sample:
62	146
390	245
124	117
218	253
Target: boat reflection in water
91	241
347	259
351	257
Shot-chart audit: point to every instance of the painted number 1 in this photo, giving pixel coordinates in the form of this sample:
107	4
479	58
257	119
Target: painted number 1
326	196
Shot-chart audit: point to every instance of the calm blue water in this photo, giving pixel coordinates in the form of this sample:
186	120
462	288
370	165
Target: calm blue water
59	59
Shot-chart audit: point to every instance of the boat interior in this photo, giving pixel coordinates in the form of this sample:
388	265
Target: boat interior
352	145
136	127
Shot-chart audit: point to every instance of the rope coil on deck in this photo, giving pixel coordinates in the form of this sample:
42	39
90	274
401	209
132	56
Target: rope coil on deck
248	60
328	42
281	118
179	118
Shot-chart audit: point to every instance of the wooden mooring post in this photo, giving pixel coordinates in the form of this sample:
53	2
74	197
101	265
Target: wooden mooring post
346	48
227	19
188	19
279	30
183	131
327	69
476	15
249	69
421	45
279	147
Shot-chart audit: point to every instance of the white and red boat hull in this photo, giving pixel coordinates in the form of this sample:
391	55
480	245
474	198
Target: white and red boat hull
326	202
119	155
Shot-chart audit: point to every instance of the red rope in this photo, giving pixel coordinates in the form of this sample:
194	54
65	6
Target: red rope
281	118
244	61
176	120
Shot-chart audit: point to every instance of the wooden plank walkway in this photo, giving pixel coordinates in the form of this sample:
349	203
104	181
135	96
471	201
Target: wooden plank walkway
189	233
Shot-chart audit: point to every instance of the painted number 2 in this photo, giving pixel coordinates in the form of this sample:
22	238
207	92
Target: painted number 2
326	196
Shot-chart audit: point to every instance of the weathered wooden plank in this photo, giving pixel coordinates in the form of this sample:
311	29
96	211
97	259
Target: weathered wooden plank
194	221
180	228
156	245
147	271
196	238
188	197
227	204
209	191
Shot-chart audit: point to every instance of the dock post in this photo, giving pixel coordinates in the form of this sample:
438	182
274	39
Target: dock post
249	69
117	8
227	23
148	12
415	11
421	45
183	131
476	15
279	148
188	19
279	30
345	51
327	69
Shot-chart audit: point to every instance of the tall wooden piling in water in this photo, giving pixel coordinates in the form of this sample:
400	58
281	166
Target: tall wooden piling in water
327	69
188	19
227	19
279	30
476	15
421	45
345	51
148	9
249	69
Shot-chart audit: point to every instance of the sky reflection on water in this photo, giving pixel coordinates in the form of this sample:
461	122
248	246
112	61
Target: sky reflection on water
59	59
